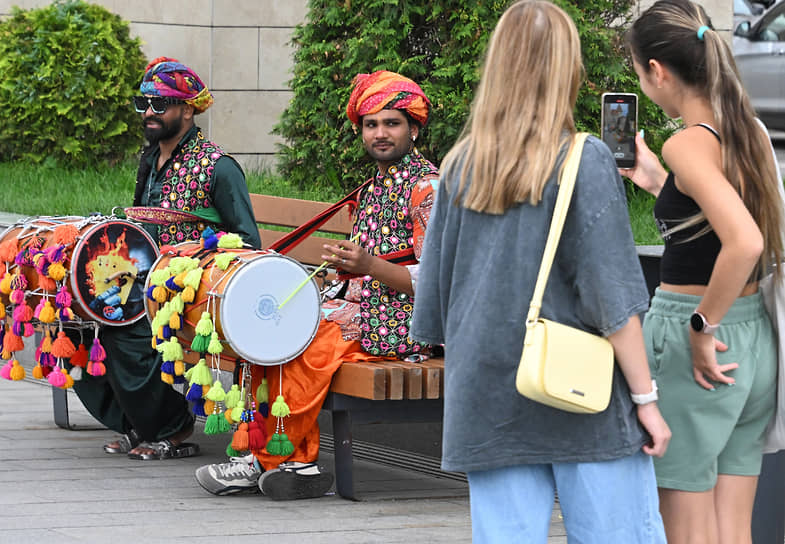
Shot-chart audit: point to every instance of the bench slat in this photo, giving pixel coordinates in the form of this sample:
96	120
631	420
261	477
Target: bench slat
293	212
359	379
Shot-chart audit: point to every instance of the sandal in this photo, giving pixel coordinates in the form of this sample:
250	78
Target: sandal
125	443
164	449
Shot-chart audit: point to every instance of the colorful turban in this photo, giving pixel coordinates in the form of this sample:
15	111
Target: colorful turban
385	90
167	77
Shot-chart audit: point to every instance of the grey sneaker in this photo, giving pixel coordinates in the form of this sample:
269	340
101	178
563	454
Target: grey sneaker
295	480
239	475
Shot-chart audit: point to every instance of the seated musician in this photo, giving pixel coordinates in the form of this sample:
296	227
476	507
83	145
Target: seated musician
153	419
373	322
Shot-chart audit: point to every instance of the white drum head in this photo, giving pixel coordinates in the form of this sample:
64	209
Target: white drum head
251	320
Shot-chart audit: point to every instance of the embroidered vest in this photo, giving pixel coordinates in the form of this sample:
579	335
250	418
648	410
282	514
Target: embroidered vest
383	217
186	187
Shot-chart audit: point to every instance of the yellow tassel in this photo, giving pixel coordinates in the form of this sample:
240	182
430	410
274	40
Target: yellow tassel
167	378
17	371
56	271
47	314
209	406
179	368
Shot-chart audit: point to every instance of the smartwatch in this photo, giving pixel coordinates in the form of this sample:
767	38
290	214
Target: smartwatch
699	323
646	398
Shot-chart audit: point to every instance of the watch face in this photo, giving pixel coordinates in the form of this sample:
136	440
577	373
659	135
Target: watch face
696	321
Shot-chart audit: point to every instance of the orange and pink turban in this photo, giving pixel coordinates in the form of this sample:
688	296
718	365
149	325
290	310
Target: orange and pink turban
165	76
382	90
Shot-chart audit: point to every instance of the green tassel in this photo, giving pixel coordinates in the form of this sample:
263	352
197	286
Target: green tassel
223	425
232	397
200	343
215	347
231	452
279	407
177	304
287	448
274	445
237	411
172	350
222	261
201	374
188	374
211	425
205	325
230	240
194	278
262	393
216	392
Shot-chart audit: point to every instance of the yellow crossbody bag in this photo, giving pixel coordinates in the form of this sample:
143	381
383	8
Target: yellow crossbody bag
562	366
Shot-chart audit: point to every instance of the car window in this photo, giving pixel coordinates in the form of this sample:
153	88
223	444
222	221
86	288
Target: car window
774	30
741	8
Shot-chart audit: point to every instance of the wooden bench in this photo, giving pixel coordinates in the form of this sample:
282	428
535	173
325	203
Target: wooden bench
361	392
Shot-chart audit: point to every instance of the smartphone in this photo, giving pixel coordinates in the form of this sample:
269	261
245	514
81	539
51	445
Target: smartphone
618	126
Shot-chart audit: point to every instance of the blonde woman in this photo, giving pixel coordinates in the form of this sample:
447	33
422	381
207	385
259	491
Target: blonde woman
480	260
711	346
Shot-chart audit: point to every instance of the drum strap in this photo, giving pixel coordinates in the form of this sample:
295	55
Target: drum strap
291	240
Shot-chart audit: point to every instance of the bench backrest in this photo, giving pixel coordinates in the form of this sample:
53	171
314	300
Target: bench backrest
291	213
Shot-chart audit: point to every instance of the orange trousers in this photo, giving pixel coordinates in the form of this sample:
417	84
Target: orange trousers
304	382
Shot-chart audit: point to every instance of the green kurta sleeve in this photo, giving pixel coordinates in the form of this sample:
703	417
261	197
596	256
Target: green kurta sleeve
229	194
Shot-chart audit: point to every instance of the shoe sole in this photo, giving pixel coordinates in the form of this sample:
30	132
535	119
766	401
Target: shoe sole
281	485
211	486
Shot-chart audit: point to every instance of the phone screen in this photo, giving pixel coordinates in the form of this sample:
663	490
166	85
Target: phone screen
619	125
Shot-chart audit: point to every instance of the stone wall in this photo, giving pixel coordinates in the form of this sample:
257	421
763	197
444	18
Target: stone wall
241	49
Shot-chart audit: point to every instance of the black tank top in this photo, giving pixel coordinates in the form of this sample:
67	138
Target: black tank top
684	261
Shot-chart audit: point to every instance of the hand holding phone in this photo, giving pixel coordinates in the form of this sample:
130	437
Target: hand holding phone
619	123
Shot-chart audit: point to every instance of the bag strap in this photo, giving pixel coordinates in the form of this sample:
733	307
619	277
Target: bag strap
566	185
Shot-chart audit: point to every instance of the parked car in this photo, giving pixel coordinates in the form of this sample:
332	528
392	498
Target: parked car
745	10
759	49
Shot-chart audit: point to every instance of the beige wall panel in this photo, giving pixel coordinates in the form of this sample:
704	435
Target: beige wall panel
269	13
276	58
235	58
5	5
173	12
242	120
189	45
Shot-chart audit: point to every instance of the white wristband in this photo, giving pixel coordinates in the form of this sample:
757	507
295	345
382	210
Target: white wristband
646	398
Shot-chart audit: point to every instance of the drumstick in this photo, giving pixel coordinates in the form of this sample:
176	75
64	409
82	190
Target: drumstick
310	277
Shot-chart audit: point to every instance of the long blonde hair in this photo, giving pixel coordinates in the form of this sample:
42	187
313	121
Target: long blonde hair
668	32
522	112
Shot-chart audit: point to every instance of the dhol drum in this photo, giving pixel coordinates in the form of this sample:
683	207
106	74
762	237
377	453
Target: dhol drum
104	263
251	303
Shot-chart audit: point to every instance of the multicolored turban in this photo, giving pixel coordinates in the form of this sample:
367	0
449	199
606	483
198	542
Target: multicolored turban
385	90
165	76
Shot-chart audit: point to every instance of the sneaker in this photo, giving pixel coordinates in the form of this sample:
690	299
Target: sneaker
239	475
295	481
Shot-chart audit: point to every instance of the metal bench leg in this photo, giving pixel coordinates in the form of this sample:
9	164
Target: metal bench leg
342	435
60	408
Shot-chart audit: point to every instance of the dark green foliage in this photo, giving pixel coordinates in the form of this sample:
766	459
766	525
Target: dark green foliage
440	45
67	74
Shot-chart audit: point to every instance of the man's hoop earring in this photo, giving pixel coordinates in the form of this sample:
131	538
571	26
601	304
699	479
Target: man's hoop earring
414	138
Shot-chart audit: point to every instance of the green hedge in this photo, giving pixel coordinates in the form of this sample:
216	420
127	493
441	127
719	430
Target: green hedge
439	44
67	74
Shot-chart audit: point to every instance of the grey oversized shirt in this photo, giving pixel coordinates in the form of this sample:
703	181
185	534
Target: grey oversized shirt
477	275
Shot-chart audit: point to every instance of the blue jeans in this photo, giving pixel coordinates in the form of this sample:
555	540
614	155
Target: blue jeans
606	502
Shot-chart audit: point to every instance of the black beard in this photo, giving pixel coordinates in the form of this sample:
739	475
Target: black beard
166	132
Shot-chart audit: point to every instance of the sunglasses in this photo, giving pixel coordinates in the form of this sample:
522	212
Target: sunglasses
157	103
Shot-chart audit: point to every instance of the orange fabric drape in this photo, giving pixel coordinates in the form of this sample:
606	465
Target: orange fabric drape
306	380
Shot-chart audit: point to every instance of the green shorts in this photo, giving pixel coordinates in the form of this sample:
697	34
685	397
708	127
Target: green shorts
720	431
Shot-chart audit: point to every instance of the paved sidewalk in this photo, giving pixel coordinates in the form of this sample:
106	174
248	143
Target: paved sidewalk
58	486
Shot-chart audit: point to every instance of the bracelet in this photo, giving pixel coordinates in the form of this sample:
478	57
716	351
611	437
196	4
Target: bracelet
646	398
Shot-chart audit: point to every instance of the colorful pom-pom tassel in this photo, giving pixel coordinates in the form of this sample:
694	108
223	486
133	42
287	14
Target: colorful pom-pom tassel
17	371
216	393
65	235
287	448
80	357
5	371
274	445
257	436
215	347
76	373
56	378
96	368
62	347
194	393
47	314
262	392
38	371
280	408
97	352
240	437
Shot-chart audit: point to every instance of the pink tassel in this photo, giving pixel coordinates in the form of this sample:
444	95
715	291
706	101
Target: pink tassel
96	368
56	378
55	254
5	372
38	308
23	312
97	352
63	298
17	296
28	331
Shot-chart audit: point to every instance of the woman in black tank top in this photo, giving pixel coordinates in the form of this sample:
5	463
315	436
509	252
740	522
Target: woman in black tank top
720	214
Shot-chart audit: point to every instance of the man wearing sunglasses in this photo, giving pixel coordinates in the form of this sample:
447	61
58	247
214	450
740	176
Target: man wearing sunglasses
179	171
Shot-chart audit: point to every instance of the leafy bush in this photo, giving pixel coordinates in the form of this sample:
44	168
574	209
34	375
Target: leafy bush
440	45
67	74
